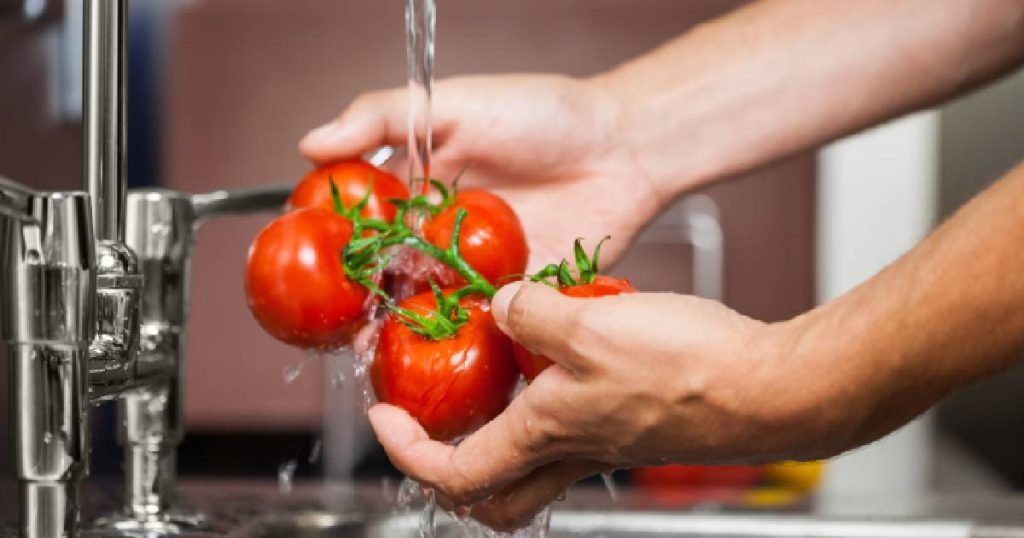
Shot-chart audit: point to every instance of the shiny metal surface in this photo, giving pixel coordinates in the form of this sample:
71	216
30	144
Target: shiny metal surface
160	228
14	199
113	352
241	201
640	525
104	102
47	284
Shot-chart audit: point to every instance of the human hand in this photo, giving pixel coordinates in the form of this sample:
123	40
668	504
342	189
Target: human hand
550	145
639	379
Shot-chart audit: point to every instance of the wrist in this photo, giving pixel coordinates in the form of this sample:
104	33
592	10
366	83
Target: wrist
824	398
646	125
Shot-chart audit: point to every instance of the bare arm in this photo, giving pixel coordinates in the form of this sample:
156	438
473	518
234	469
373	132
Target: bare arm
783	76
658	378
769	80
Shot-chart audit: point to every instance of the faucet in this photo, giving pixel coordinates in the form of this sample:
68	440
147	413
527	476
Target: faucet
94	298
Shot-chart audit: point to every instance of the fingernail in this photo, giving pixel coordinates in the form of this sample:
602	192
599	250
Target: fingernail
326	135
501	300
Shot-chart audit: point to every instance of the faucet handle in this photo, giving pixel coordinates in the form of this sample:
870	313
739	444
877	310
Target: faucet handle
240	201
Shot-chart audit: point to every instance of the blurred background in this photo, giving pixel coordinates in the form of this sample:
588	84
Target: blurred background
222	90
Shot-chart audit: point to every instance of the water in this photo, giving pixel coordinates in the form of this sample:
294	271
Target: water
286	475
293	371
609	484
419	47
314	453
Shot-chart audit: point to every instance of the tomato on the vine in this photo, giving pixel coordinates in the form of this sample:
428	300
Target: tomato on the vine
491	240
587	284
350	177
452	385
296	285
532	364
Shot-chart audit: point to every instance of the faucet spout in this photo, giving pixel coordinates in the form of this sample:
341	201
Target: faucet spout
104	101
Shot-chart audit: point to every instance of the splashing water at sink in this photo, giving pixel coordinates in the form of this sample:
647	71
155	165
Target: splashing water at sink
286	475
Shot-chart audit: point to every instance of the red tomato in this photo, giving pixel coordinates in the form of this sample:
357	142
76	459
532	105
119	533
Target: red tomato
450	386
697	475
296	285
351	178
531	364
491	239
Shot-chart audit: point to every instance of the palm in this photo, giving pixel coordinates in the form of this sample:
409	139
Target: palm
554	160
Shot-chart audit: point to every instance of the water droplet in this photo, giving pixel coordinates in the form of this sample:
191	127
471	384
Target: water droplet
314	453
286	475
47	438
293	371
428	527
609	484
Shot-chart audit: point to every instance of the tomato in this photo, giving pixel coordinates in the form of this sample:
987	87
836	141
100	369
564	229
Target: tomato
453	385
697	475
295	282
491	239
531	364
350	177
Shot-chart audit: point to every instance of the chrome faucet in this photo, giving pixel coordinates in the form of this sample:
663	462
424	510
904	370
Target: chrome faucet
94	292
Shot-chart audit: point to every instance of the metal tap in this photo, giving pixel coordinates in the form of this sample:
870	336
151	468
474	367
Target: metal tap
75	310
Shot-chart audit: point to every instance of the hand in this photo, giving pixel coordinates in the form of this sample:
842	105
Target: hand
639	379
550	145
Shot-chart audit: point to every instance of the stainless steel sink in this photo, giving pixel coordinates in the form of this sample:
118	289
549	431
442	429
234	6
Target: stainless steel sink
634	525
336	510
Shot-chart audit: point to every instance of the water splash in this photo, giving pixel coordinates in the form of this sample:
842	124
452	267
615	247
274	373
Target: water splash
286	476
609	484
293	371
314	453
428	525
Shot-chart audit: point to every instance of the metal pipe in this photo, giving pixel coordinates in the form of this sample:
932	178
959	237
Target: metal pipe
240	201
104	64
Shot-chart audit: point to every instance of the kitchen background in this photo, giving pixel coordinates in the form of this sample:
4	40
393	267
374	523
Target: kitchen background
221	91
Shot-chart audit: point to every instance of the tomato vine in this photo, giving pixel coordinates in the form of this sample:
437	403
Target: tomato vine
367	255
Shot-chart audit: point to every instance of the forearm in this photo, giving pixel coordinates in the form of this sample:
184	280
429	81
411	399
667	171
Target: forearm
946	314
783	76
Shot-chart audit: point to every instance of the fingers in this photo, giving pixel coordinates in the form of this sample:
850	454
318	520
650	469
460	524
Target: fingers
515	506
542	320
503	450
372	120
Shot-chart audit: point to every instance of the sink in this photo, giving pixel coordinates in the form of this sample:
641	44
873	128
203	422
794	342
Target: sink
625	525
258	509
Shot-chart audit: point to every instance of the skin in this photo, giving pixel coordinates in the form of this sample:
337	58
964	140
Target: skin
658	378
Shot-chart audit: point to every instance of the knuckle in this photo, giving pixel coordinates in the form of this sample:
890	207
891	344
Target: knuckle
541	432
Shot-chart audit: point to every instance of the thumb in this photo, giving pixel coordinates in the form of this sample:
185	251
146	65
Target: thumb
371	120
538	317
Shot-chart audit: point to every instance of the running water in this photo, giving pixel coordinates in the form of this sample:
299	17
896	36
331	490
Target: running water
609	484
286	475
419	48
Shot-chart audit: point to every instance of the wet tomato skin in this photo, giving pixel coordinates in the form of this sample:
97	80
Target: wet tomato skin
295	284
491	239
532	364
450	386
351	177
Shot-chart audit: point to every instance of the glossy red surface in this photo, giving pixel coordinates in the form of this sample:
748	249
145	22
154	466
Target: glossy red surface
450	386
295	283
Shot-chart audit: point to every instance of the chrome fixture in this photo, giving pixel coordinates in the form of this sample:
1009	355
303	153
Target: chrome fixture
94	291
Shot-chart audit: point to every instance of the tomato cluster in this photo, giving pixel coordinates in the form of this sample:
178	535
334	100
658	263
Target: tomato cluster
315	274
